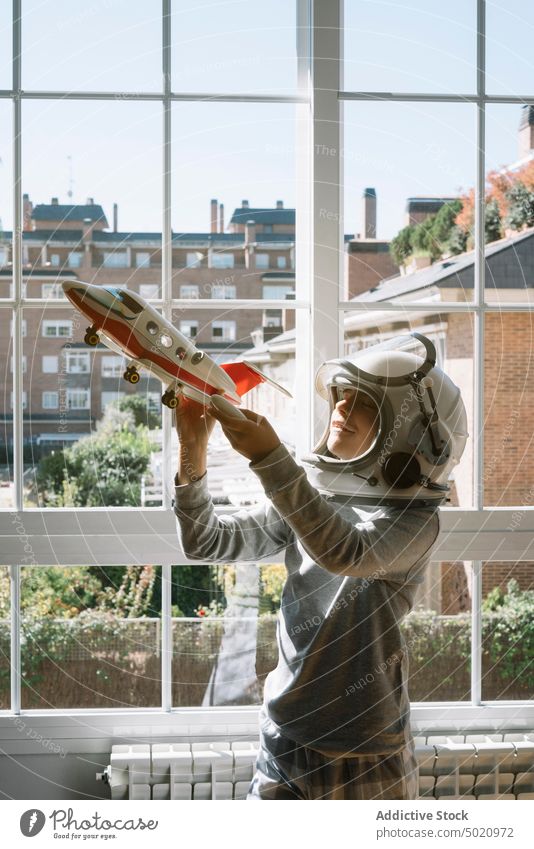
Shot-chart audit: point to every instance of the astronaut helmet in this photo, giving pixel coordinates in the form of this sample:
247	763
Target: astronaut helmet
409	432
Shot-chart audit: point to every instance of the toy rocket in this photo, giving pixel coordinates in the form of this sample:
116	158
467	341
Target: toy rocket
128	325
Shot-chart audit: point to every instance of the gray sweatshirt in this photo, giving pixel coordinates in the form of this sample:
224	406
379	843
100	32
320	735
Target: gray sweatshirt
340	685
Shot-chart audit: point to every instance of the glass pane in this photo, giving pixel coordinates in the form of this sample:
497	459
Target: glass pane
93	438
509	203
5	639
6	316
6	42
234	234
406	169
508	404
74	46
438	635
234	46
420	48
257	337
509	64
91	637
224	632
452	337
507	638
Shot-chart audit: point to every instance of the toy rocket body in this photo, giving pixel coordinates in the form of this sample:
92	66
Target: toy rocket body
127	324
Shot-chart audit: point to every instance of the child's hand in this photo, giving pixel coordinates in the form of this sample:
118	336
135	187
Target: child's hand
254	439
192	425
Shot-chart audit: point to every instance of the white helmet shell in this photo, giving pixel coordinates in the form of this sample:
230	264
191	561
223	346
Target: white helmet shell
422	426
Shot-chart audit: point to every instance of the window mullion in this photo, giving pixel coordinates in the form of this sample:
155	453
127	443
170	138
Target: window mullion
17	262
166	638
14	574
166	247
476	633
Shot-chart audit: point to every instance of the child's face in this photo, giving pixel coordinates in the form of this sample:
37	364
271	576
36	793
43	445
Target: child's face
353	425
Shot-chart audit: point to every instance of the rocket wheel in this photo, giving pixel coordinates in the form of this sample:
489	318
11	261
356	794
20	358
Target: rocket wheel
134	377
169	399
91	337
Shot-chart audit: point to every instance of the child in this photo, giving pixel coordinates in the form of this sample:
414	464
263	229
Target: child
334	723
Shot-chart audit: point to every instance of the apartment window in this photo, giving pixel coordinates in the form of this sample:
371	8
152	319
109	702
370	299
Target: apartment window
223	292
77	362
50	364
223	331
221	260
109	398
262	261
189	328
51	290
149	290
3	256
78	399
50	400
115	259
55	260
24	399
281	262
276	291
112	365
189	290
56	328
142	259
23	363
75	259
193	259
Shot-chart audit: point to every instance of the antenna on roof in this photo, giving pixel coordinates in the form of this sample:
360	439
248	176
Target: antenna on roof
71	179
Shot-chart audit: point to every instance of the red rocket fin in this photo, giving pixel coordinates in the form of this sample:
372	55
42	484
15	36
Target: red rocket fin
246	377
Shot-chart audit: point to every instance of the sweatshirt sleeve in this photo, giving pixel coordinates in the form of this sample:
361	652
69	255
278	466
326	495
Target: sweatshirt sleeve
244	535
391	547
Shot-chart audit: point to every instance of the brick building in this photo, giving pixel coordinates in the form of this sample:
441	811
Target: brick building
252	259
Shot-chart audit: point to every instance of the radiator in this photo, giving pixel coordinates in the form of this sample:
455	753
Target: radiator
470	766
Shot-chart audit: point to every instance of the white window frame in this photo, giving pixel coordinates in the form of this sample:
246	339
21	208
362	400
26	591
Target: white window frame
143	259
115	259
262	261
477	534
75	393
186	325
77	362
24	364
112	365
221	260
50	367
74	259
193	259
228	328
50	323
52	291
189	291
281	262
49	393
223	291
149	291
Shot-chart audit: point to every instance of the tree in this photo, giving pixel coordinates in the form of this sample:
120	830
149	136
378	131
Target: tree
520	207
445	222
144	412
401	246
424	240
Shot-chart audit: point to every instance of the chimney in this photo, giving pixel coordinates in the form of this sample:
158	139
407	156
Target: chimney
244	204
55	202
90	201
87	230
369	214
250	231
221	218
213	215
27	209
115	217
279	204
526	131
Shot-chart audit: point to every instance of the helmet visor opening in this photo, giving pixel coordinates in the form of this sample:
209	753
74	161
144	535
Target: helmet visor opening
354	424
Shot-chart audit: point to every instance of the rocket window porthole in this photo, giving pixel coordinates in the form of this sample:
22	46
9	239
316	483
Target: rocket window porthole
152	327
165	340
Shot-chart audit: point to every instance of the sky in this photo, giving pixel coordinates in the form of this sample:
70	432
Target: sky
111	151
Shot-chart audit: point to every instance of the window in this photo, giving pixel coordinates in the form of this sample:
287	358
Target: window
112	365
221	260
57	328
281	262
50	400
75	259
109	398
3	256
55	260
277	292
115	259
23	363
77	362
189	290
24	399
223	331
189	328
142	259
222	292
149	290
51	290
50	364
262	261
78	399
194	259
